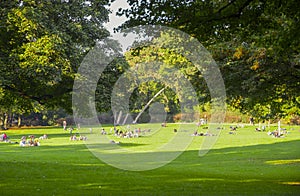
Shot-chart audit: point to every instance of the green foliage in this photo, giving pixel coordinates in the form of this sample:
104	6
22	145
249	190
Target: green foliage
106	83
255	44
165	63
43	43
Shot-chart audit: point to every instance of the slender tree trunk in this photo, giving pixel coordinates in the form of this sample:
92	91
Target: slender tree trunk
9	118
1	120
5	120
19	121
138	116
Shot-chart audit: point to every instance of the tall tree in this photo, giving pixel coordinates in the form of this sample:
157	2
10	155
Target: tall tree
255	43
42	43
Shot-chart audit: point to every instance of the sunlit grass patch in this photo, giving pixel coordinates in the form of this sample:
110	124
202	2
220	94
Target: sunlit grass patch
292	183
247	163
283	162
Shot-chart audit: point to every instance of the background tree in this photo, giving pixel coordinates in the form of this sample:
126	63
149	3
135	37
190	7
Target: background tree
42	43
254	42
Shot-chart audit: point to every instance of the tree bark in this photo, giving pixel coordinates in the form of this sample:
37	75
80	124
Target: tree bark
138	116
1	120
5	120
19	121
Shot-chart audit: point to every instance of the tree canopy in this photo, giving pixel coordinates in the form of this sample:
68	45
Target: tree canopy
255	43
42	43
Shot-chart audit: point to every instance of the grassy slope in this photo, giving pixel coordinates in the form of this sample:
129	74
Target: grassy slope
249	163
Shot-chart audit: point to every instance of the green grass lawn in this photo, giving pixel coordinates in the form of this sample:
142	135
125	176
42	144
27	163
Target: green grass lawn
247	163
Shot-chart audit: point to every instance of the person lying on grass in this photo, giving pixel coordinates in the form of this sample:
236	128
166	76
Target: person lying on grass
44	137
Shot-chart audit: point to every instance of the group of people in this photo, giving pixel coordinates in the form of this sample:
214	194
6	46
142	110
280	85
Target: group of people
136	132
127	134
262	128
75	138
124	133
4	137
31	140
278	133
233	130
202	134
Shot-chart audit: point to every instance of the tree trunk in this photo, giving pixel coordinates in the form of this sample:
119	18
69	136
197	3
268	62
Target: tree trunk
1	120
138	116
9	119
5	120
19	121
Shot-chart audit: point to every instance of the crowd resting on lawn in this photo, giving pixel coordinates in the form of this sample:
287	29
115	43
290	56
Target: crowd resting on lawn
277	133
32	140
126	134
81	137
137	132
202	134
24	141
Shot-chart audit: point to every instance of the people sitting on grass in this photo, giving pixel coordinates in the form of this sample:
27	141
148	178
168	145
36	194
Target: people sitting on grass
233	128
130	134
31	141
4	137
103	132
36	142
26	142
23	141
274	133
127	134
277	133
117	132
136	134
75	138
202	134
82	137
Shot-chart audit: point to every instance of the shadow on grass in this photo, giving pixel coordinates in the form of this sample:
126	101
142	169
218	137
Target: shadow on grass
71	169
127	144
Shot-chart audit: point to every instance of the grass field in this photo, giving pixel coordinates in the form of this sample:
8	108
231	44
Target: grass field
247	163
